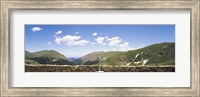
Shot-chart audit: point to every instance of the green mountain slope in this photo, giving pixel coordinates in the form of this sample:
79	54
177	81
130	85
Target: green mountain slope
46	57
163	53
28	54
92	58
49	53
157	54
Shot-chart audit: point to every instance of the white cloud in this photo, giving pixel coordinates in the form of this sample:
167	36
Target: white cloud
117	43
114	41
94	34
35	29
58	32
80	42
76	32
71	40
114	48
124	46
49	43
92	43
106	37
58	40
100	40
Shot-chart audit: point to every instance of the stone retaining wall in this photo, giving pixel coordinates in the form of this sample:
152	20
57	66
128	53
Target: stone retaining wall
95	69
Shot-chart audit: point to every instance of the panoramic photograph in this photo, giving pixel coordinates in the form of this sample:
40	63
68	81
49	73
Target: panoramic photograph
99	48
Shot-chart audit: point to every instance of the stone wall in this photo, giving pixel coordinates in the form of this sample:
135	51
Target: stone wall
95	69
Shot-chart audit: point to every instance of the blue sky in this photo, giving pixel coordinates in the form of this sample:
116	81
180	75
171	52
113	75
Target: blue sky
78	40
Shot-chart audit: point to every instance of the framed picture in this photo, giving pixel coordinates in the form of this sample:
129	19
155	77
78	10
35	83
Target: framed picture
113	50
100	48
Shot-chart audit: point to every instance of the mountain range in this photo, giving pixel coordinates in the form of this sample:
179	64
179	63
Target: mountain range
46	57
156	55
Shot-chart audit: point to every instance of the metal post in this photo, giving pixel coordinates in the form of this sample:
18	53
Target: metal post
99	58
99	65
